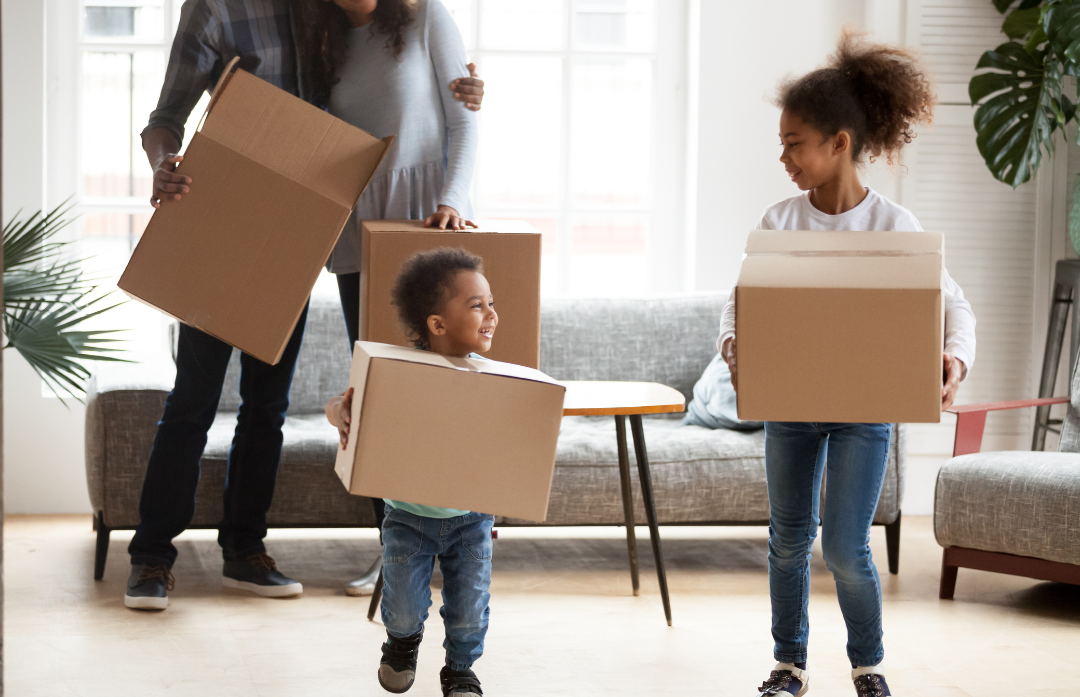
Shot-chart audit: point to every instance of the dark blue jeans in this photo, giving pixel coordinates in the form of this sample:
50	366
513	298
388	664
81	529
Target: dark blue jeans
411	544
172	475
795	459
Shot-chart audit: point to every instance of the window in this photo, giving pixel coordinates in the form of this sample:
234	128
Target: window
568	135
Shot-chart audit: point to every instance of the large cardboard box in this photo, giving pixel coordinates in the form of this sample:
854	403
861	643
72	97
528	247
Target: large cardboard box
511	253
274	180
453	432
840	327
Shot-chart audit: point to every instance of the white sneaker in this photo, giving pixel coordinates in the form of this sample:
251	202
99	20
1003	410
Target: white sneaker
365	585
785	680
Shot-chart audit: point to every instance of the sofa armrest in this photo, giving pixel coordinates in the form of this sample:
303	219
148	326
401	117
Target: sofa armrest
123	404
971	420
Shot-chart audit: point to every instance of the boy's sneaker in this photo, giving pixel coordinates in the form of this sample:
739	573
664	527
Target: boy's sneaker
869	683
148	587
459	683
397	669
258	573
365	585
785	680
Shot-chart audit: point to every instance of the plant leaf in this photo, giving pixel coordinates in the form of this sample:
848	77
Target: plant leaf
26	242
1019	105
1020	23
1061	22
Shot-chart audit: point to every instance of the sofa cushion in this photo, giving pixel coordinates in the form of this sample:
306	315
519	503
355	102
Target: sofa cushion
665	340
1024	503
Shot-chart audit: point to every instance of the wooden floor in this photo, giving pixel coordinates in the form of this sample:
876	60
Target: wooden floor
563	621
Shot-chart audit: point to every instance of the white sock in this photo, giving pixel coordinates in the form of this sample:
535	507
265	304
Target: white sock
866	670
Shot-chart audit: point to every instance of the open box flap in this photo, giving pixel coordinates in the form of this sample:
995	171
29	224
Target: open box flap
292	137
375	350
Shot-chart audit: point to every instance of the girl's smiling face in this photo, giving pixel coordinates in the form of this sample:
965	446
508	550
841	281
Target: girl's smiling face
811	158
467	322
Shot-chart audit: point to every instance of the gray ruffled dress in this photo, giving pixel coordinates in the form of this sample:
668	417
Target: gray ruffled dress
432	160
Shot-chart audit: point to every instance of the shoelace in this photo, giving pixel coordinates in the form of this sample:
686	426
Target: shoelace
459	681
264	560
778	680
869	686
162	572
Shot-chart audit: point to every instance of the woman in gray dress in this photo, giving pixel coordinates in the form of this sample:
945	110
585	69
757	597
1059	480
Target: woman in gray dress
382	66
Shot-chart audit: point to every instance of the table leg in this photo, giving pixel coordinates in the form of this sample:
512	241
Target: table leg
650	509
376	596
627	500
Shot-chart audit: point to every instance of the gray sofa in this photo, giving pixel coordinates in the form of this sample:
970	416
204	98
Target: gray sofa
699	476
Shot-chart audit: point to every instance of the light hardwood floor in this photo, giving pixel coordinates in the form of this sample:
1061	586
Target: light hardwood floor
563	621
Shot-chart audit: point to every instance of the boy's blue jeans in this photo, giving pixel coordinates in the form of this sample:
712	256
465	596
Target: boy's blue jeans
795	458
462	544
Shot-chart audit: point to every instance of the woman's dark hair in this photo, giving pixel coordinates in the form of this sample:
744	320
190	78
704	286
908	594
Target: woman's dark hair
423	286
877	93
322	30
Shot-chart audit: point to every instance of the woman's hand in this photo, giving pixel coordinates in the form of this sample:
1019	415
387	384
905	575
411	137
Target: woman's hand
469	89
727	352
446	218
339	413
952	372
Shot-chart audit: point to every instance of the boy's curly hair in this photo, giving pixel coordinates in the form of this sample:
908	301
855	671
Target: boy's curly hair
876	92
423	285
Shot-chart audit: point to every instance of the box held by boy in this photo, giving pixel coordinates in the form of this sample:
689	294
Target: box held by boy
843	327
461	433
511	253
273	181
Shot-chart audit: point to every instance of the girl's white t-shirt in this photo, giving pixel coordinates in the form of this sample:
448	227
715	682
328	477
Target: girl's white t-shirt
874	213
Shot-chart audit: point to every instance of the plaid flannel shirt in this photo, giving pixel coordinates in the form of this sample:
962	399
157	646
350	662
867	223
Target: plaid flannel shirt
209	35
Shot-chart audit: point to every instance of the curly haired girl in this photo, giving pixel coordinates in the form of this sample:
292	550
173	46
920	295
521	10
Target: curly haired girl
866	102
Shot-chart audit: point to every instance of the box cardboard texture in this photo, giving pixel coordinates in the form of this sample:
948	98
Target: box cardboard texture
840	327
452	432
274	180
511	253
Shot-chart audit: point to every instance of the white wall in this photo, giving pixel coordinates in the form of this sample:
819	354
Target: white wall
746	49
43	447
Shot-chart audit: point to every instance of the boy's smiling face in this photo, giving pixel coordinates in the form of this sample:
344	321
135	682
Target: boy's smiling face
810	157
467	321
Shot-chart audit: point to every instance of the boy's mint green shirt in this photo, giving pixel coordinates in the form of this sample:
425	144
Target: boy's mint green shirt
430	511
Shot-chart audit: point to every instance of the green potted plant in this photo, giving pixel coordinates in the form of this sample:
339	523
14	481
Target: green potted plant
1020	90
46	300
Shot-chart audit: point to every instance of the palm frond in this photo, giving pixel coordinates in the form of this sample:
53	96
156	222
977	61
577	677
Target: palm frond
26	243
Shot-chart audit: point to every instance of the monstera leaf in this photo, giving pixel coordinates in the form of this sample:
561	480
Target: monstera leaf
1061	22
1019	106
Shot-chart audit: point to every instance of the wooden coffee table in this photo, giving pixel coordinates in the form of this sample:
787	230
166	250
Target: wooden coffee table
633	399
620	399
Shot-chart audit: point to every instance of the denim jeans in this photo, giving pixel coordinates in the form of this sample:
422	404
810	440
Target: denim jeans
795	458
172	475
411	544
349	291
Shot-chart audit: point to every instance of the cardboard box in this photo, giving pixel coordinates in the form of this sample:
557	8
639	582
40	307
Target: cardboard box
452	432
511	253
840	327
274	180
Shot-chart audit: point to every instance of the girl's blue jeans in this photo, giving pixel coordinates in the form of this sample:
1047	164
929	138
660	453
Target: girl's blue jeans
795	459
411	544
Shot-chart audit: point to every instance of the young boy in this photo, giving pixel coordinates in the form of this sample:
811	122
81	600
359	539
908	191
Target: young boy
445	304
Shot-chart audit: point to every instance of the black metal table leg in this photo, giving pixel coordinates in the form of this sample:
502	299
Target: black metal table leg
627	500
376	596
650	509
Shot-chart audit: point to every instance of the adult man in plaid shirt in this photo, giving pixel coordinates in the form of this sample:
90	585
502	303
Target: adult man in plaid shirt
210	33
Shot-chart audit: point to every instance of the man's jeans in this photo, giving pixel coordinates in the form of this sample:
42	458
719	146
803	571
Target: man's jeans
795	458
463	546
172	475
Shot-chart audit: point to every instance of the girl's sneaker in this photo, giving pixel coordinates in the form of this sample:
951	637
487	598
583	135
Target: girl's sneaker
785	680
869	683
459	683
397	669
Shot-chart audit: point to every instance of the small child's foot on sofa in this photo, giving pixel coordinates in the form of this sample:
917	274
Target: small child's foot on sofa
397	669
459	683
